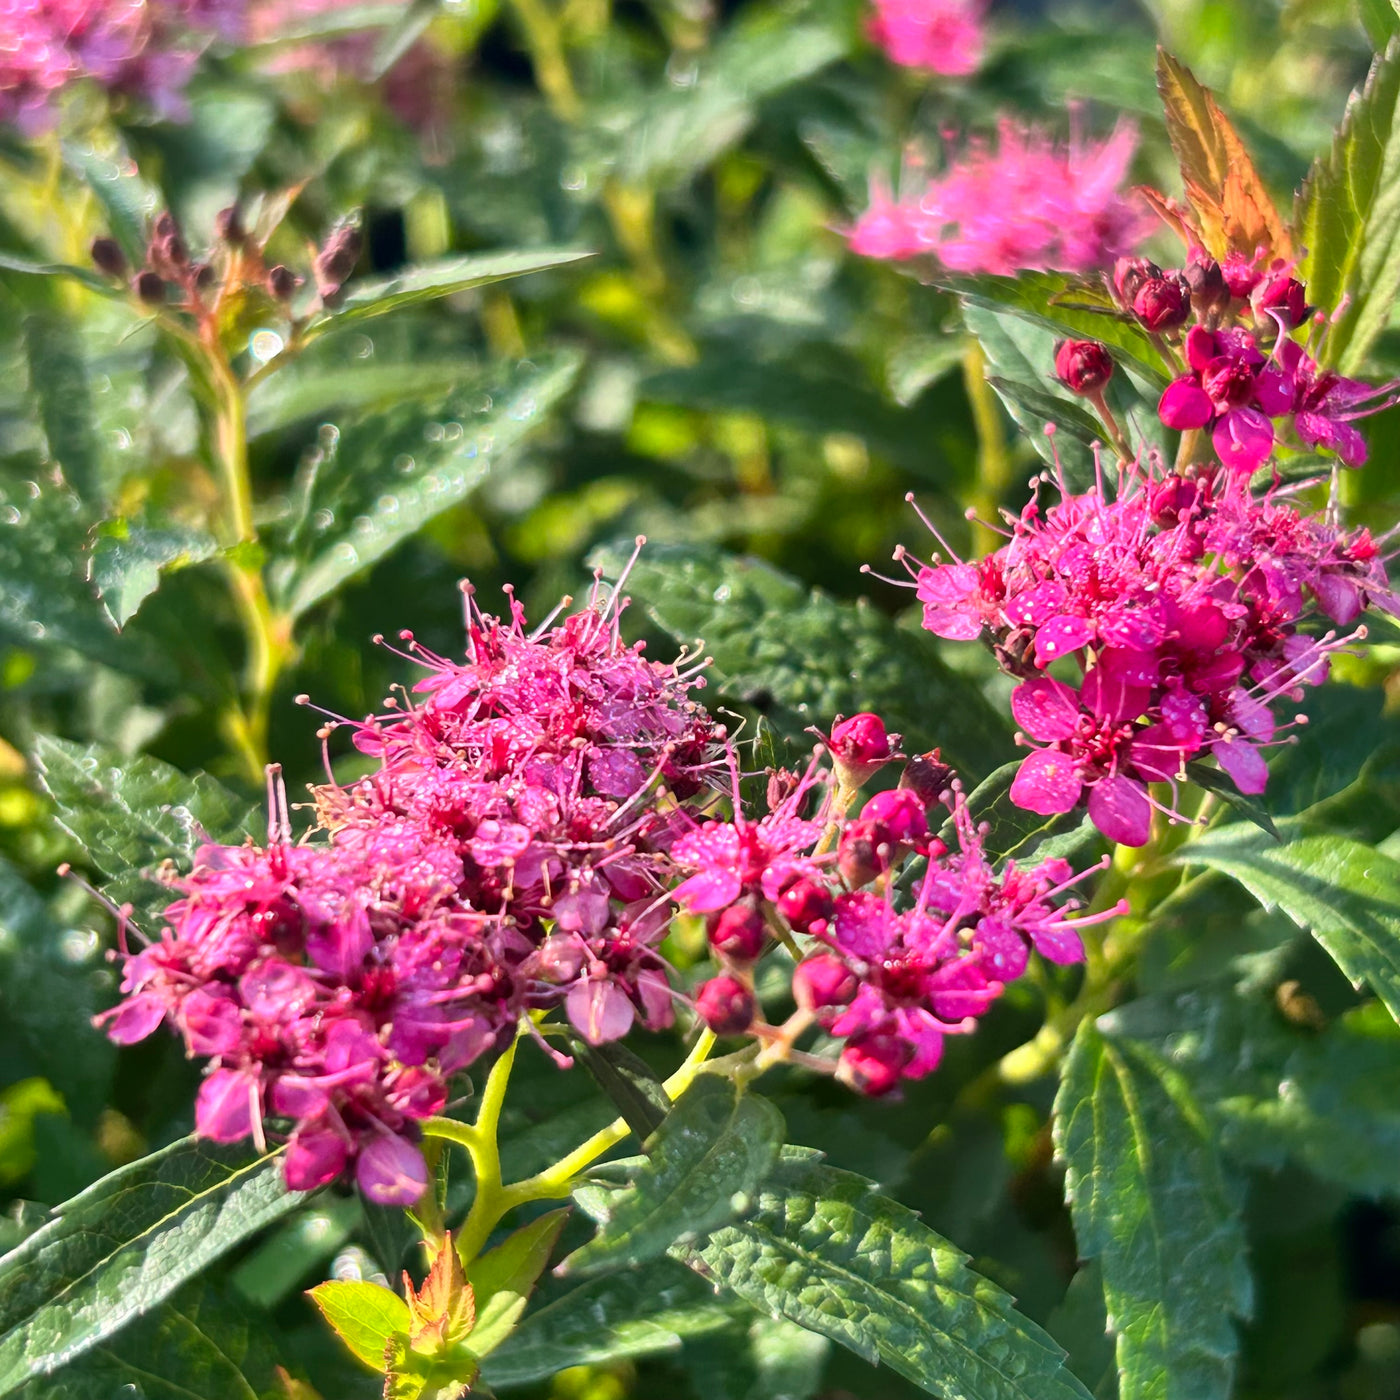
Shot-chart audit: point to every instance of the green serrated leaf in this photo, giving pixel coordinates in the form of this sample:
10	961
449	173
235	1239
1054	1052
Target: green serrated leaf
382	478
128	201
124	1245
1151	1204
131	814
127	562
826	1251
1347	219
200	1343
58	380
503	1279
363	1315
704	1163
13	262
1346	894
366	298
802	658
636	1312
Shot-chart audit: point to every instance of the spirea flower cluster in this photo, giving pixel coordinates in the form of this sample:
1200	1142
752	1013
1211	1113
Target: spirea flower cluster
508	855
1021	204
1185	608
939	36
888	976
140	48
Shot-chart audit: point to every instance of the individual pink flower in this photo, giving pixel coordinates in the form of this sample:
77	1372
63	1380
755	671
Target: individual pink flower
1024	205
942	36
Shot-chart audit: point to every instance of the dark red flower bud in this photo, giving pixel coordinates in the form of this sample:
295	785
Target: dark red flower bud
823	980
107	256
725	1005
859	747
872	1064
336	261
1279	295
149	287
738	932
203	274
1129	274
1083	366
927	777
1163	303
805	904
282	282
228	224
173	250
165	225
859	856
899	814
1209	291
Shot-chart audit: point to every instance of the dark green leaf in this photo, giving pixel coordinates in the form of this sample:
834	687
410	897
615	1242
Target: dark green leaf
128	561
58	380
366	298
129	203
704	1162
1345	893
1250	808
803	658
1151	1205
824	1250
631	1313
200	1343
632	1085
382	478
770	1359
48	997
124	1245
12	262
1348	218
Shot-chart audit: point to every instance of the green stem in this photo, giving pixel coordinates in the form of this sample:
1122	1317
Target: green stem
993	460
544	39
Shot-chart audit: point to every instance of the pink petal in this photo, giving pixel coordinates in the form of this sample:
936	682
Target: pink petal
599	1010
1202	346
1243	763
1046	709
1035	605
1273	391
950	595
1243	439
1047	782
391	1171
1119	808
1320	431
709	890
1184	404
223	1108
1061	636
1109	697
136	1019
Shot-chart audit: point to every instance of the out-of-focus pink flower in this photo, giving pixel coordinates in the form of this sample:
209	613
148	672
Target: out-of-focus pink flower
943	36
1023	204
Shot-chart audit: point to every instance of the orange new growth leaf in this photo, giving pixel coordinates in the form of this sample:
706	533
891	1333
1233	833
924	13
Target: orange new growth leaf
443	1311
1234	211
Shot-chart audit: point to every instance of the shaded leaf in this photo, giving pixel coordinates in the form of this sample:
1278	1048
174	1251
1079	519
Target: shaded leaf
1234	209
768	1359
633	1086
1250	808
115	1252
1151	1204
13	262
127	561
704	1162
128	201
1347	218
1345	893
825	1251
504	1278
58	380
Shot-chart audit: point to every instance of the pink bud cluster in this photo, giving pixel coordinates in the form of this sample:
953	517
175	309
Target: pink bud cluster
509	854
1180	608
1244	379
886	976
940	36
1024	204
145	50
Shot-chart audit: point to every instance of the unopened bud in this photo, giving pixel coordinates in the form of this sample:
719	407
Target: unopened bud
173	250
336	261
149	287
927	777
859	746
107	256
899	814
282	282
738	932
1163	303
1083	366
1209	291
873	1064
821	981
725	1005
1279	295
805	904
228	224
165	225
858	854
1129	274
203	275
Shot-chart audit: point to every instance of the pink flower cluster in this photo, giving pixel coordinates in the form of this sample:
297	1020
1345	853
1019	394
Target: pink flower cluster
1182	602
1229	387
942	36
890	982
509	854
145	49
1024	205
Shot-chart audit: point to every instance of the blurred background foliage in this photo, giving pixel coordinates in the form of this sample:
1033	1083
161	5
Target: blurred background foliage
719	375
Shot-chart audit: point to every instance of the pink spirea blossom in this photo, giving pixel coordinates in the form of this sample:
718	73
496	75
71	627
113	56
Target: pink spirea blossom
1021	204
942	36
509	854
1184	600
142	48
